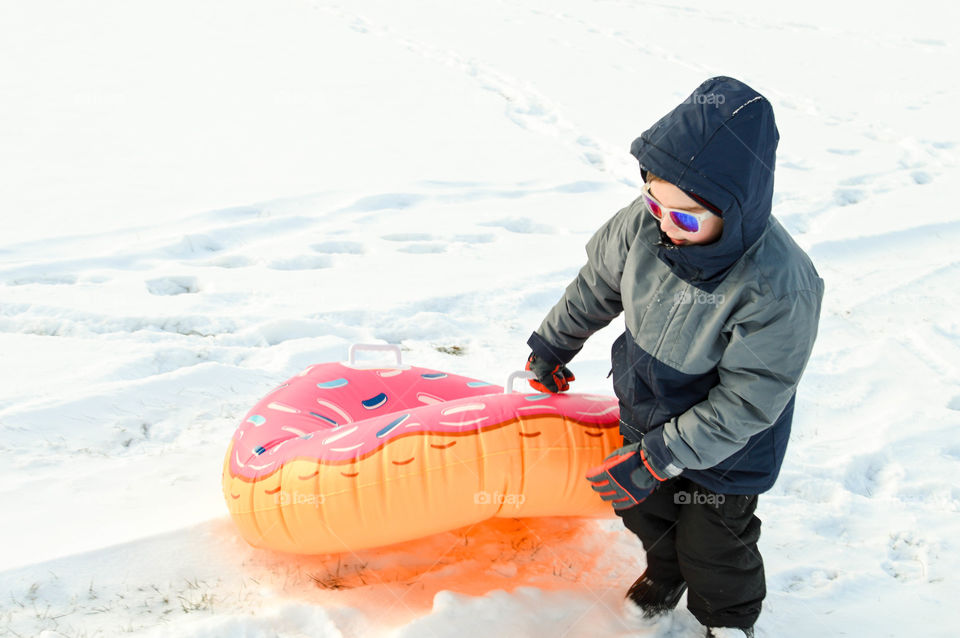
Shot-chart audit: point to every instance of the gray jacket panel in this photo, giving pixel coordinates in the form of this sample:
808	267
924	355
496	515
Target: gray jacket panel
755	330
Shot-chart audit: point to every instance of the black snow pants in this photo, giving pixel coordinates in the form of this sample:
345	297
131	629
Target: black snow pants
707	540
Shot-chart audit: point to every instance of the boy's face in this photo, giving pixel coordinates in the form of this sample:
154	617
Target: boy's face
672	197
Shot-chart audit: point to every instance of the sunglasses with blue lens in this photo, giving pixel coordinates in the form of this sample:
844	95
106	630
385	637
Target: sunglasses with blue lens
684	219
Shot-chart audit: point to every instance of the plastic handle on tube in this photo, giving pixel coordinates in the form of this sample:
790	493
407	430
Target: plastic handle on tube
519	374
375	347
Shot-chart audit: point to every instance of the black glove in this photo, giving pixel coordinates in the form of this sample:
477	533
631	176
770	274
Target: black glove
551	377
625	478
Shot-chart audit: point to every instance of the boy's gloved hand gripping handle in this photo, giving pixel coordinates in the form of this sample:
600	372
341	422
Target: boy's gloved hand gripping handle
551	376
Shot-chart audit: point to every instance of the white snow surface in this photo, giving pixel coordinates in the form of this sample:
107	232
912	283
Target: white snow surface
201	198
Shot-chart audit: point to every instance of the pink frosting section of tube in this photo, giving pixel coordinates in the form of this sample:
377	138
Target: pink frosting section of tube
334	413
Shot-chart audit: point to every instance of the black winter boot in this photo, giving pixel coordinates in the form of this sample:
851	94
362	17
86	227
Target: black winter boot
729	632
655	598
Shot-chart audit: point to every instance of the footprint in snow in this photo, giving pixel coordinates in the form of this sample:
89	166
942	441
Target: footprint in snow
169	286
385	201
192	246
423	249
796	165
407	237
805	578
485	238
593	159
230	261
592	154
43	279
339	247
860	180
847	196
872	474
301	262
908	556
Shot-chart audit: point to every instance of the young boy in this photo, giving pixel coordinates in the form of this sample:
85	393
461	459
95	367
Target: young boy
721	310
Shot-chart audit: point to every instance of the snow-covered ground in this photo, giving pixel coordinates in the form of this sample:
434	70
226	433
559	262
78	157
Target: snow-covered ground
200	198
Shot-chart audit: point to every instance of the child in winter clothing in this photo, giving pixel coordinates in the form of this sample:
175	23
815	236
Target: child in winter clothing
721	310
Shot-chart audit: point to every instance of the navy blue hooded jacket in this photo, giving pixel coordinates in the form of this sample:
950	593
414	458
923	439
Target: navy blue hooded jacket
717	335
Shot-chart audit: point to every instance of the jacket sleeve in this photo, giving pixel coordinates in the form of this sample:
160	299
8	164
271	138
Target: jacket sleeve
592	300
758	375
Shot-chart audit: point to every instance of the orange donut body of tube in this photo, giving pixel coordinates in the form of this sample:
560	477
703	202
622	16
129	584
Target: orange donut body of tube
341	458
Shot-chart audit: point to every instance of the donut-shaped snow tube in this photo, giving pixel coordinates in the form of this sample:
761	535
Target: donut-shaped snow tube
343	458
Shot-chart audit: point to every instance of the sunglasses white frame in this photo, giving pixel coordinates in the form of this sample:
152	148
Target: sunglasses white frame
700	217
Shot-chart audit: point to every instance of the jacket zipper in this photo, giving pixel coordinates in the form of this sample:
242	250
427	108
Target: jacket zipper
663	333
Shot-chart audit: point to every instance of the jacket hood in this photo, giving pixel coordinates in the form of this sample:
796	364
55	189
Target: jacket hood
719	144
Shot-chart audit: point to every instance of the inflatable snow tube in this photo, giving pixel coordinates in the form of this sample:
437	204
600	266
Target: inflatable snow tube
342	458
